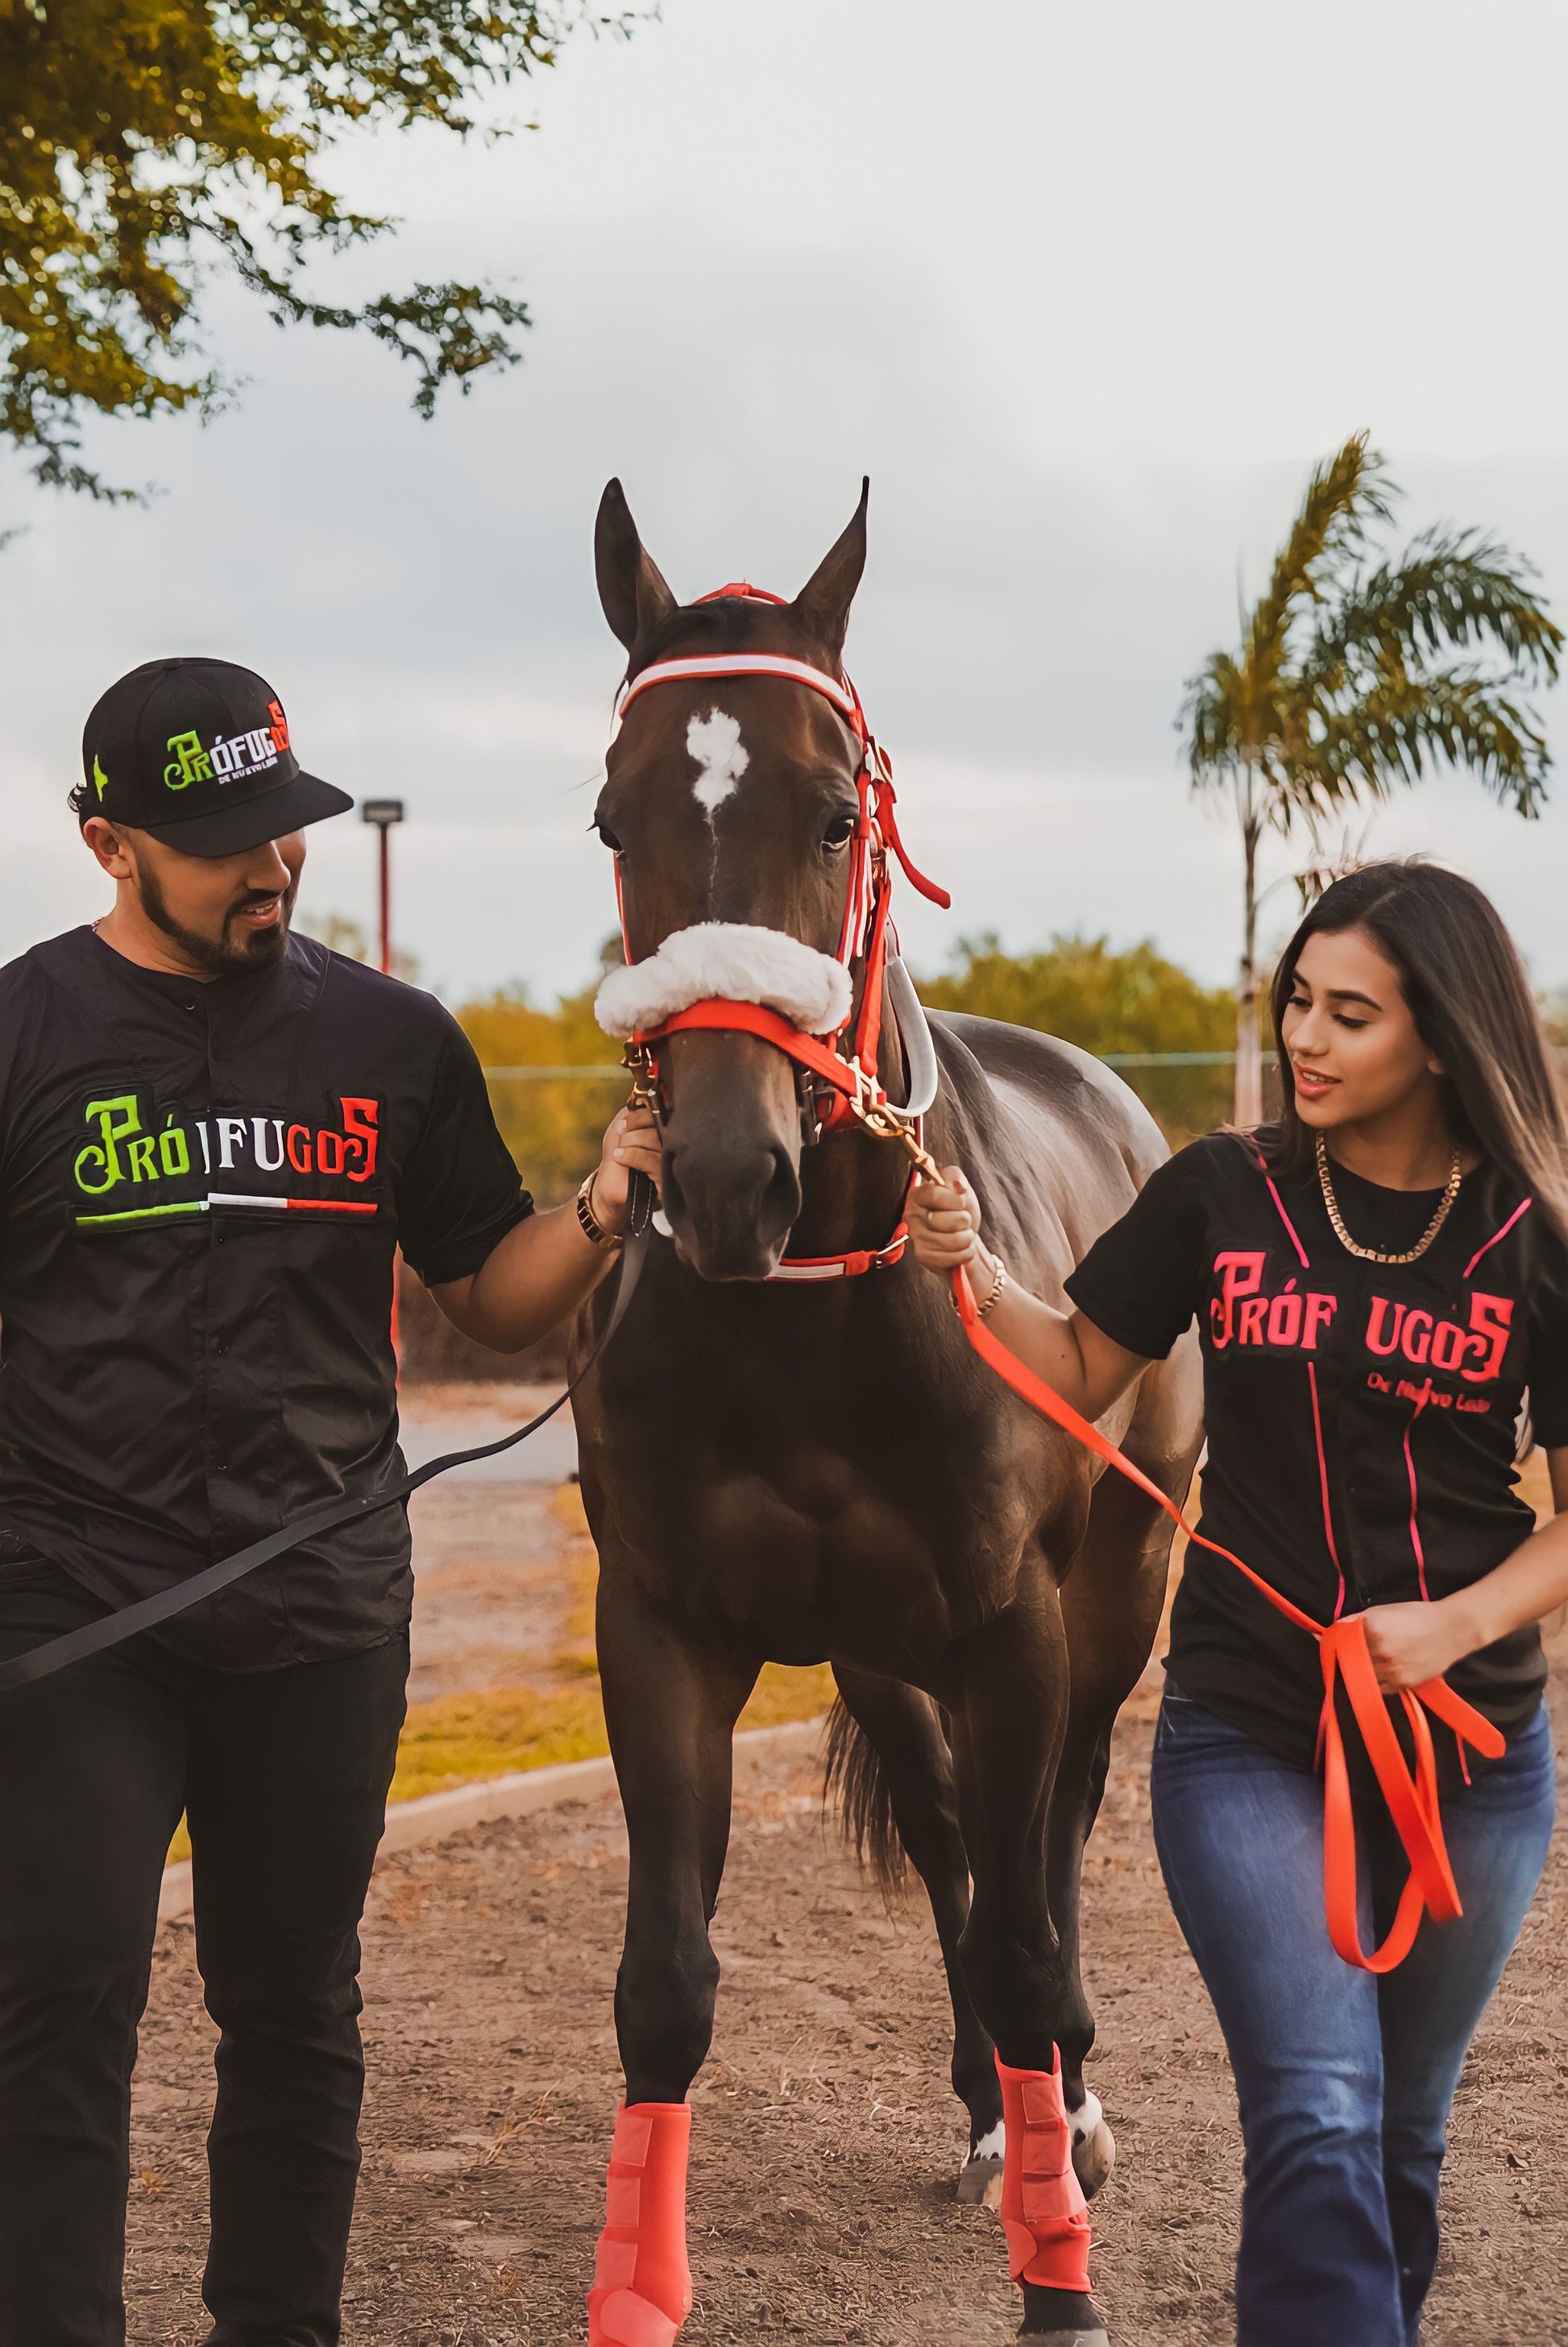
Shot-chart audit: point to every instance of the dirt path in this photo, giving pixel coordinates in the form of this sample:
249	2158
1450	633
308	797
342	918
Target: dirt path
503	1586
825	2140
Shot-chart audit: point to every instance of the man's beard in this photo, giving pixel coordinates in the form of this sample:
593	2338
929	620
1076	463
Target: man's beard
227	953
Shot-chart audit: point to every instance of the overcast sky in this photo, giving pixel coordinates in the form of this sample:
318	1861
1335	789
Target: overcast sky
1085	290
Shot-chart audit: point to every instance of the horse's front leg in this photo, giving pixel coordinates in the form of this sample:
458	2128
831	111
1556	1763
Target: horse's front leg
671	1708
1007	1725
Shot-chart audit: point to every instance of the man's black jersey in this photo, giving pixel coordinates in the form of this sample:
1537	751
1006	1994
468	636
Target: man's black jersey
1362	1418
201	1189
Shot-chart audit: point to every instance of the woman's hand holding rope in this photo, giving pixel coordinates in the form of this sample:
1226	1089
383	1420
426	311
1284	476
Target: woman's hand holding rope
1073	1356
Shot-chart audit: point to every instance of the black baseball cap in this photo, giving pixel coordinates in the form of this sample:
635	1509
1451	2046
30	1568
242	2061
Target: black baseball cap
197	753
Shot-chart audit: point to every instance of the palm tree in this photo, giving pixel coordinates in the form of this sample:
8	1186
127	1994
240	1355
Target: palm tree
1357	675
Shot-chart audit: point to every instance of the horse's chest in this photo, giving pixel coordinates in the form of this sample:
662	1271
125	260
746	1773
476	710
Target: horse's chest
817	1500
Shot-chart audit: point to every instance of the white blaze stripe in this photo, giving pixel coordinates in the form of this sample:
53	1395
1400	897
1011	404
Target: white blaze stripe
714	741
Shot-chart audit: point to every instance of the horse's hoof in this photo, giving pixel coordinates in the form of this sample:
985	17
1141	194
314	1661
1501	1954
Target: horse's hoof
1042	2312
981	2184
1094	2157
1065	2318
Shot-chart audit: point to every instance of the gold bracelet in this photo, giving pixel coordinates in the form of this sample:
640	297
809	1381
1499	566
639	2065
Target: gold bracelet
593	1229
999	1281
998	1284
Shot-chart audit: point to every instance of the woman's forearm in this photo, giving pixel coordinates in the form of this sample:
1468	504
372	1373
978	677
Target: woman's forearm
1075	1358
1413	1641
1531	1583
1044	1340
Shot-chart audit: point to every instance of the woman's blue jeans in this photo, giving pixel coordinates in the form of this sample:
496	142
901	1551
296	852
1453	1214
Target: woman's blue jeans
1344	2080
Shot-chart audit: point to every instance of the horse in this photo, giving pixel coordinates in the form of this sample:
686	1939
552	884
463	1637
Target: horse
790	1453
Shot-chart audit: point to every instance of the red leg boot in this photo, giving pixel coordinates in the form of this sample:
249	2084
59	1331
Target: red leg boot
1043	2212
641	2290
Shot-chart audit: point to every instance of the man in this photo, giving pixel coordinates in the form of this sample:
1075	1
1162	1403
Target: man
213	1135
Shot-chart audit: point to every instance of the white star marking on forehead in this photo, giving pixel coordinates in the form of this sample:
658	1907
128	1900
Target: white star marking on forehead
714	741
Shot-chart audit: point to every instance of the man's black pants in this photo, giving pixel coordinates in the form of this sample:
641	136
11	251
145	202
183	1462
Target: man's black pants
283	1775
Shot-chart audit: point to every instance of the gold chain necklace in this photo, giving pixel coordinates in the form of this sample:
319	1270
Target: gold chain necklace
1373	1255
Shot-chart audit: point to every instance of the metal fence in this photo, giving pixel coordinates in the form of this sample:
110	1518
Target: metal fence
551	1117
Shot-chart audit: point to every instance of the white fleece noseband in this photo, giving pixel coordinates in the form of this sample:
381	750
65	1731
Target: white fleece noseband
733	962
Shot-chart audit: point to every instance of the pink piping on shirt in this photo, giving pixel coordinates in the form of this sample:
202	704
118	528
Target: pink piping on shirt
1502	1233
1323	1487
1415	1504
1285	1218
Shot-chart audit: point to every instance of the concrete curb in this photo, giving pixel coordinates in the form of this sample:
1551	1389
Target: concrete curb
434	1816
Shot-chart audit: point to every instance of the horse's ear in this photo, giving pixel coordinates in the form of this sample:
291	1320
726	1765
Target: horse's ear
634	595
823	603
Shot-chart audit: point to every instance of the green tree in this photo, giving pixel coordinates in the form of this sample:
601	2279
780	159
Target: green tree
143	140
1356	673
1133	1002
551	1125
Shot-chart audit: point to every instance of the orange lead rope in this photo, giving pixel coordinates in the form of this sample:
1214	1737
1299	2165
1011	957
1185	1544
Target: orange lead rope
1411	1798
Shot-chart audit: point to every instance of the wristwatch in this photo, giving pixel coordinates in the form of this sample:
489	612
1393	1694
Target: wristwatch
592	1228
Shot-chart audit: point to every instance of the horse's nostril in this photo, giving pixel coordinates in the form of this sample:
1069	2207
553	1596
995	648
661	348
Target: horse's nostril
732	1209
780	1199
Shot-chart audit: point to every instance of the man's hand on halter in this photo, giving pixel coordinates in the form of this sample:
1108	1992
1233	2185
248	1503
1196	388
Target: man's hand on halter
631	1145
1075	1357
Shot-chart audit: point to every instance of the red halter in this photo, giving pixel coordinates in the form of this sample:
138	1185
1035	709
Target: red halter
845	1064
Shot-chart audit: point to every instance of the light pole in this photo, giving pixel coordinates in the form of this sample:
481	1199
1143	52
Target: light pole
384	814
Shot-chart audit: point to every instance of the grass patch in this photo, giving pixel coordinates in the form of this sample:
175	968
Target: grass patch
462	1739
459	1739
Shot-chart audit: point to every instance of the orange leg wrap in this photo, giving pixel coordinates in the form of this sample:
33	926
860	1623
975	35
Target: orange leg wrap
1043	2211
641	2290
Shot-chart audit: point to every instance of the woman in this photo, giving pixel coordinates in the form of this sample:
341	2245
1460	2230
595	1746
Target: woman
1381	1279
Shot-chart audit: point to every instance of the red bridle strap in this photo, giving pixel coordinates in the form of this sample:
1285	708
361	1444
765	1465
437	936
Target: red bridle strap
1412	1796
844	699
721	1017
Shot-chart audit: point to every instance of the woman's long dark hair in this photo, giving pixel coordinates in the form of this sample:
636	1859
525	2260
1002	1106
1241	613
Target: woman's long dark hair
1473	1008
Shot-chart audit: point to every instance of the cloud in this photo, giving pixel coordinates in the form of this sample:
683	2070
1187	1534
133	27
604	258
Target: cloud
423	597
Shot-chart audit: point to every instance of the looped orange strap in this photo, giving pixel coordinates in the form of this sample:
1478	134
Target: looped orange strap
1411	1797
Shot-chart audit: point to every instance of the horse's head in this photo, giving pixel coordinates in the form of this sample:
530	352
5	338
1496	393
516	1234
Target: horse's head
731	800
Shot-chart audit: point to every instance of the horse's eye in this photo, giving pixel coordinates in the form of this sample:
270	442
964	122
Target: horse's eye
839	831
608	837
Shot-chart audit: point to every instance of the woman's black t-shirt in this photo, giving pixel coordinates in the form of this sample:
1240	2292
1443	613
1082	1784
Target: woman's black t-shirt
1362	1418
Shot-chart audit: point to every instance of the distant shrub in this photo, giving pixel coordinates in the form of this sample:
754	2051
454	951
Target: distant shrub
1105	1001
552	1127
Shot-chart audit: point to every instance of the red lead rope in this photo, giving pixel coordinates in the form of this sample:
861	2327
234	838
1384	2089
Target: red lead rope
1411	1798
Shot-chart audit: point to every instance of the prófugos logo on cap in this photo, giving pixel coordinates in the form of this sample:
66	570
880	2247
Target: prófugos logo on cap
227	756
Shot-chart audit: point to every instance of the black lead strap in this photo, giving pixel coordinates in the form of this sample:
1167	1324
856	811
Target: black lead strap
97	1637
